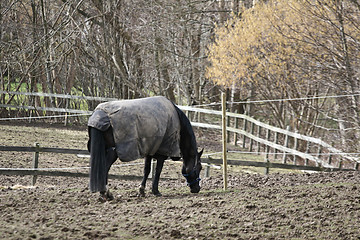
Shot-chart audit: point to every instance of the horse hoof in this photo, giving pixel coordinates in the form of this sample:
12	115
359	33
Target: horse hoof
109	196
102	199
142	192
106	196
157	194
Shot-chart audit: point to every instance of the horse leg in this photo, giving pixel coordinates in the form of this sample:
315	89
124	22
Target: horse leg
147	169
159	165
111	157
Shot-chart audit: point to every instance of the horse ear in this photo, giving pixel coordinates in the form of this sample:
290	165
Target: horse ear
201	152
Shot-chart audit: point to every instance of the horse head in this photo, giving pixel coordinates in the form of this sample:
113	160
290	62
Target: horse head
192	172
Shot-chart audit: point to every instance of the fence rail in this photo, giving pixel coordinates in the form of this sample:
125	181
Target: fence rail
43	149
35	172
55	95
274	144
58	172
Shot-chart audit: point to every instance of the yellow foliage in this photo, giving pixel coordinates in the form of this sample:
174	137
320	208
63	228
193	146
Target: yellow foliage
276	41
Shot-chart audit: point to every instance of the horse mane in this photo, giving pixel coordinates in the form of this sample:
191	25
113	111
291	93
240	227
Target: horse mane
186	132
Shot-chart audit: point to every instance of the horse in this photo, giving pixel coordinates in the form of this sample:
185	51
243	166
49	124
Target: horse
152	127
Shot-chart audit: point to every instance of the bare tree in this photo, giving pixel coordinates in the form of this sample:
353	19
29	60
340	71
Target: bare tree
112	48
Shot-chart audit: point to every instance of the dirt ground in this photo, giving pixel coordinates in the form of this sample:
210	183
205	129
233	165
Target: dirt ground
274	206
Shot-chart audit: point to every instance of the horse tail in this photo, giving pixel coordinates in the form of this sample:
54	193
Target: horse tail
98	169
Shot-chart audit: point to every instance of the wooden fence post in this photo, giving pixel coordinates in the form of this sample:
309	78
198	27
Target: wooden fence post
35	162
199	117
207	171
252	129
276	141
307	151
223	105
330	159
318	155
228	132
259	136
286	144
295	147
340	164
244	137
236	125
267	150
66	114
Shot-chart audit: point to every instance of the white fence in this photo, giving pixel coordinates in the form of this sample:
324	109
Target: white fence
318	155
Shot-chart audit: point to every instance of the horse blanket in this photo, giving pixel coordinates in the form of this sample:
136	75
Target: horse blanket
141	127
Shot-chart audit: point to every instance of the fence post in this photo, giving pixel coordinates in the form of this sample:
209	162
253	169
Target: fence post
236	125
340	164
330	159
35	162
267	150
276	141
307	151
228	132
223	105
244	137
207	170
286	144
319	152
318	155
295	147
66	114
252	127
259	136
199	117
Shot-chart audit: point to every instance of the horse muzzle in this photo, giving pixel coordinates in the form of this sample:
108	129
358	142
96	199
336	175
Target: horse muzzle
195	188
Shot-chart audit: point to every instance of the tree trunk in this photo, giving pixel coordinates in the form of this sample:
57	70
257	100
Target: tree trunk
47	51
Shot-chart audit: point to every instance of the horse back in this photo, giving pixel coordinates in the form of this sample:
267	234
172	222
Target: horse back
141	127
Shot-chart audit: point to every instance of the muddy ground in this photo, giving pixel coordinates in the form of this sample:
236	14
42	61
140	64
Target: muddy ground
276	206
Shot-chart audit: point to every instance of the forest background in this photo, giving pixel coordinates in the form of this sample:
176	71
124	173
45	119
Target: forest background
186	50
